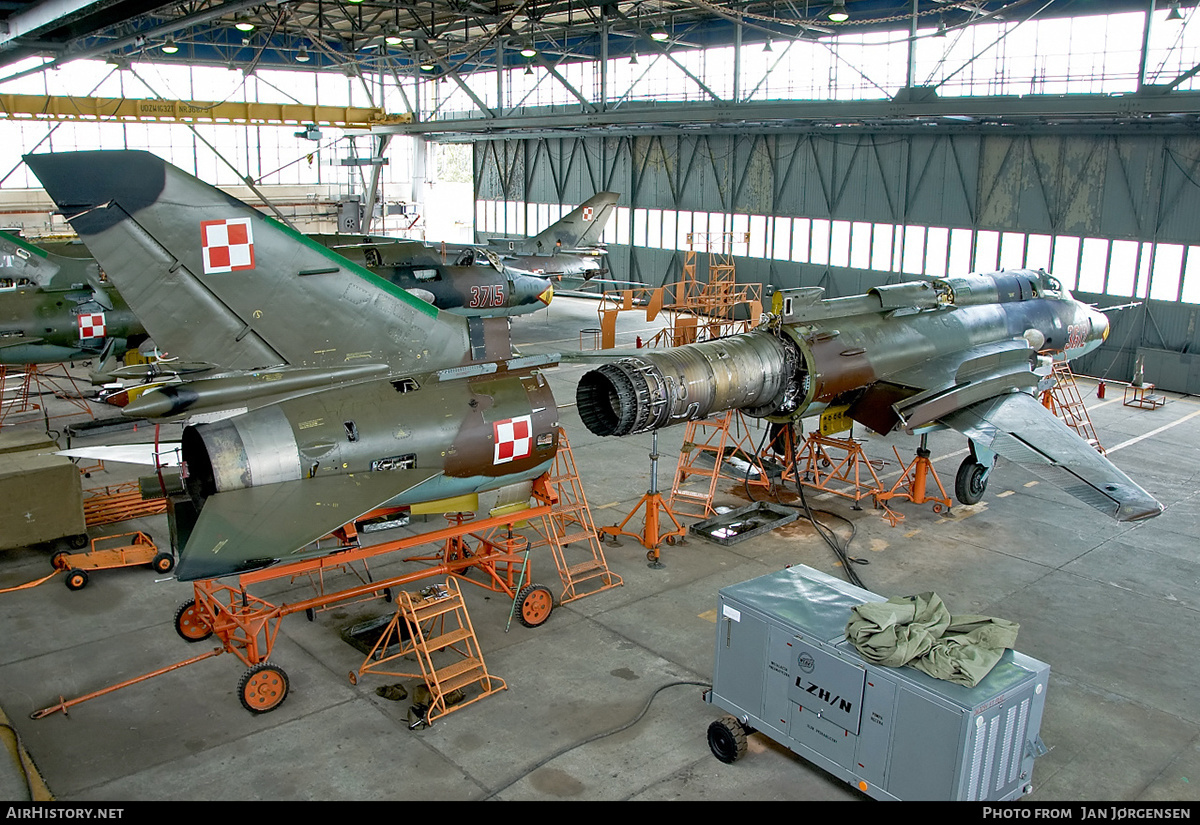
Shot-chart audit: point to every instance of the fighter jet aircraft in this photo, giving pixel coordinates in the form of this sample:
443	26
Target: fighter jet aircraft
507	276
56	308
469	283
340	392
959	352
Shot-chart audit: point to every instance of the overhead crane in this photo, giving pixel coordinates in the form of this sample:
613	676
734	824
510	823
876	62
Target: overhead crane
139	110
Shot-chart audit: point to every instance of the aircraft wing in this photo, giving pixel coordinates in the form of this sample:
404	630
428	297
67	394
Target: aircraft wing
243	530
1019	428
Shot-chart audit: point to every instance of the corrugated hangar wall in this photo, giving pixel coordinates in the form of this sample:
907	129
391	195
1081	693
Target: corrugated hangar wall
1120	185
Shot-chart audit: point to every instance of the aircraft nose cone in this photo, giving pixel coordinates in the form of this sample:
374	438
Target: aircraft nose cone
529	289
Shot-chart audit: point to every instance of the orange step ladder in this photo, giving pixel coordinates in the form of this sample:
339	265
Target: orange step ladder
711	440
1063	399
434	627
570	525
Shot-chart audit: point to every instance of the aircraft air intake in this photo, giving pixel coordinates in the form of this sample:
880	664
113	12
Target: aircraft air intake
755	372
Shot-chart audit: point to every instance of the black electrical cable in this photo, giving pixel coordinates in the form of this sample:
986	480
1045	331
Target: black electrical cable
823	530
542	762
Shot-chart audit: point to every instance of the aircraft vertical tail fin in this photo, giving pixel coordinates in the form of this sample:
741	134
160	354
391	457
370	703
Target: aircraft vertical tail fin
579	229
216	281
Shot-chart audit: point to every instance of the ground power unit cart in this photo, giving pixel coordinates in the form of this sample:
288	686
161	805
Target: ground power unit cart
784	667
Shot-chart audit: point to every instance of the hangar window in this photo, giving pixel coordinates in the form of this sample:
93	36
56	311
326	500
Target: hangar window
937	241
914	249
1065	261
1012	250
1165	275
781	245
819	239
987	251
860	245
800	240
962	242
1037	252
839	243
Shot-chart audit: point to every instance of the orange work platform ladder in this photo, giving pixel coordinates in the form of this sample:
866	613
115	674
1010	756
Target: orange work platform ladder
570	525
838	466
433	627
706	445
1064	400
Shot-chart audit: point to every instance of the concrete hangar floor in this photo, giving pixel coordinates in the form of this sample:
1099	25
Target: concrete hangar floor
1112	609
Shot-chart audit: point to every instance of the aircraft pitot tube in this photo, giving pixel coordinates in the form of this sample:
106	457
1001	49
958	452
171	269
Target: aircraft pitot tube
967	352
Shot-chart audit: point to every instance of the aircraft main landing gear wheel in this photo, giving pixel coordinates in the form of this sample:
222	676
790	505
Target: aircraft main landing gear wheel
77	579
727	739
189	624
971	481
263	688
534	604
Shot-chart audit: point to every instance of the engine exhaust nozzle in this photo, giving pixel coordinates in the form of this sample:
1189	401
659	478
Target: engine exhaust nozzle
755	372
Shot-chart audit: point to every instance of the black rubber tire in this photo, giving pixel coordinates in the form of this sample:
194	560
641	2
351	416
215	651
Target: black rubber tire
727	739
163	563
189	624
77	579
78	541
970	483
263	688
534	605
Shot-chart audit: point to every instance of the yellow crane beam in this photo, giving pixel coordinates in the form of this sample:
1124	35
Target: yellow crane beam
102	109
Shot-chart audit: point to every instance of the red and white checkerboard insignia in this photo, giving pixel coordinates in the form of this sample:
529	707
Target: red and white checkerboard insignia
91	325
514	439
226	245
587	213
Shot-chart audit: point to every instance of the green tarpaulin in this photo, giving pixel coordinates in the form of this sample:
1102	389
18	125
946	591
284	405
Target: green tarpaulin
920	631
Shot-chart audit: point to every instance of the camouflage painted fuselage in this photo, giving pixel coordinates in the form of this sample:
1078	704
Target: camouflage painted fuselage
55	305
43	326
464	282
